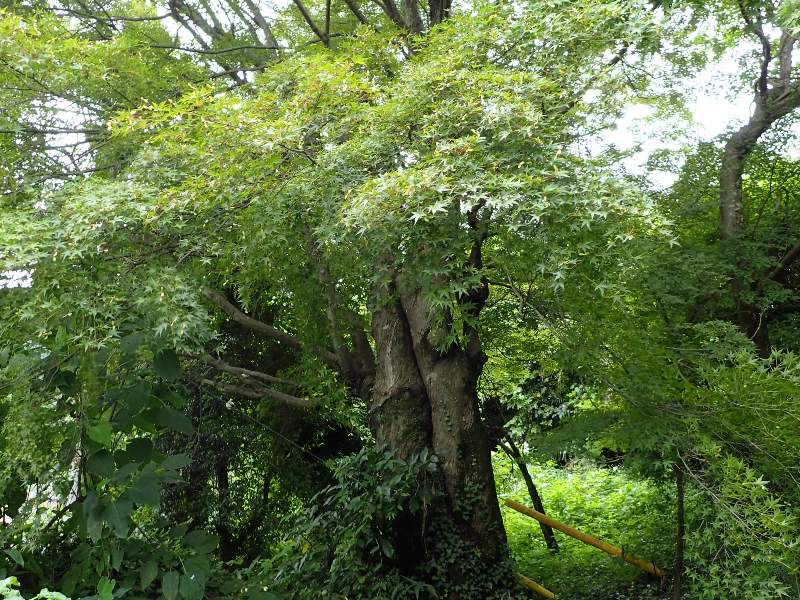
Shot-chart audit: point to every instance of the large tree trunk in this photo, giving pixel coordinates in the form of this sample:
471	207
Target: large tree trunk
771	103
426	398
459	436
739	145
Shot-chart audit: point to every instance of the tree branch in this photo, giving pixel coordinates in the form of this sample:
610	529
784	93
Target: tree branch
258	17
766	48
785	56
391	10
108	17
248	321
259	393
783	266
221	365
50	131
237	315
438	11
221	51
356	11
310	22
413	19
327	19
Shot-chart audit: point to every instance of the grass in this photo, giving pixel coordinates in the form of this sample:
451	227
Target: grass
608	503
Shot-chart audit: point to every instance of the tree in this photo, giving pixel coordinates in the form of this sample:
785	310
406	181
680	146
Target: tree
240	242
367	188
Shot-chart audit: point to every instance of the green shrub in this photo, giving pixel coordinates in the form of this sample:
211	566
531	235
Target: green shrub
345	545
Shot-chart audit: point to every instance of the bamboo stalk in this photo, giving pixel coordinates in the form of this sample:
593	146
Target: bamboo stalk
532	585
644	565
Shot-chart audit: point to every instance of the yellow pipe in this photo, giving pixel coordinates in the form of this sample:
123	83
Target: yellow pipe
644	565
532	585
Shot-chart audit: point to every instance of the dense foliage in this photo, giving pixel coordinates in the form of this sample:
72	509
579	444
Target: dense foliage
292	297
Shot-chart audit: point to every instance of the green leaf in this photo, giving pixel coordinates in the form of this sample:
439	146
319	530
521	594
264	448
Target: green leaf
197	565
100	433
93	511
105	588
140	449
176	461
46	594
16	556
148	573
173	398
167	366
116	515
8	583
169	585
173	419
201	541
101	463
146	490
130	343
70	580
117	554
137	396
126	471
94	527
386	547
190	587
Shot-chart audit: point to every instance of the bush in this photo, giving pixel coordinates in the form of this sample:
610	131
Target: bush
345	545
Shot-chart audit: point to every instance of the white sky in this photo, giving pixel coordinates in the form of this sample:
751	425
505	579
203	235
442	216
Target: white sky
714	106
712	113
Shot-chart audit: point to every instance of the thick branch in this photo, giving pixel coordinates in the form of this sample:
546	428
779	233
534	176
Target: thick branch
248	321
237	315
310	22
221	51
262	22
221	365
212	30
766	48
778	272
259	392
108	17
327	19
513	452
480	230
413	18
356	11
391	10
438	11
51	131
785	56
776	103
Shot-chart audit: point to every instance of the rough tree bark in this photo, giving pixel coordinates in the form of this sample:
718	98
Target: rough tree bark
459	437
426	398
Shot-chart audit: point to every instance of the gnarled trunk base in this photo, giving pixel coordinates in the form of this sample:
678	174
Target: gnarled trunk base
424	398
